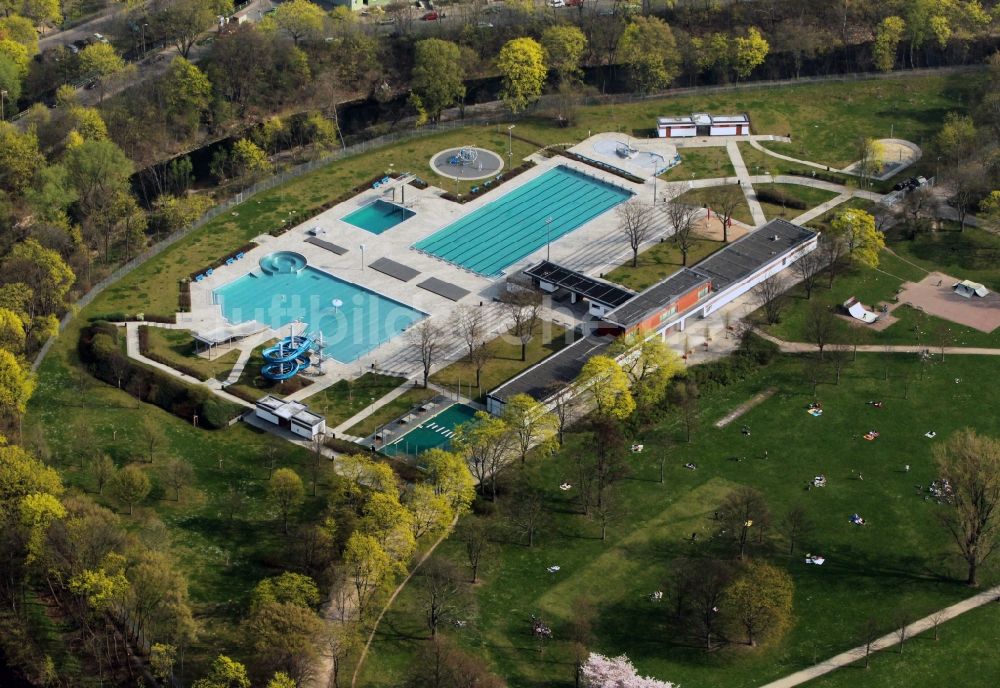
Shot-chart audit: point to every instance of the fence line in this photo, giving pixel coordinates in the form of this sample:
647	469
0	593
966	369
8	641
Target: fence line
482	111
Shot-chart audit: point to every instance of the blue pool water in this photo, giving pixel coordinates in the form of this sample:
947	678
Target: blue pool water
378	216
363	321
502	232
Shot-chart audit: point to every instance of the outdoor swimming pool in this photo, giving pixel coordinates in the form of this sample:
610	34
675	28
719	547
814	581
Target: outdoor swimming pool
434	432
378	216
362	321
502	232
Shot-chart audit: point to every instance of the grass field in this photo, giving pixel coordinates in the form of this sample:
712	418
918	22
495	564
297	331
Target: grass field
345	398
901	560
973	254
176	347
701	163
659	261
391	411
964	654
810	196
707	197
505	361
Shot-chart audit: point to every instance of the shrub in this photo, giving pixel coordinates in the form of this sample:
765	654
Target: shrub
778	197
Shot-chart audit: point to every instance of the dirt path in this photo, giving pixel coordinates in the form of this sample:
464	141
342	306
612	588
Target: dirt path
886	641
756	400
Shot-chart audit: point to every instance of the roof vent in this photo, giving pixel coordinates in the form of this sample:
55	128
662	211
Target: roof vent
775	237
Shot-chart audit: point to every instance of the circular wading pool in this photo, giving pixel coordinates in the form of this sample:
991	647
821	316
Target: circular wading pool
467	162
282	262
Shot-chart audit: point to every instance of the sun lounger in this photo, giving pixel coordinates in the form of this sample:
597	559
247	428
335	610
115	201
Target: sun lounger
552	569
930	435
818	561
230	261
817	412
240	255
386	180
637	448
209	272
199	278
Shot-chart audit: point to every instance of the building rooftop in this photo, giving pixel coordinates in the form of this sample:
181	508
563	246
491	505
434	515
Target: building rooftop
730	119
675	120
656	297
749	253
610	295
308	418
541	380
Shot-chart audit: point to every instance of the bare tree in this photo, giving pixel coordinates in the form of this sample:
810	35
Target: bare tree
915	205
525	511
475	534
807	269
742	510
684	398
968	184
581	634
607	509
442	592
564	406
682	219
795	525
770	296
870	632
697	589
820	325
971	465
523	307
726	201
635	221
177	473
103	469
479	357
838	357
426	339
469	324
833	254
937	618
902	620
152	437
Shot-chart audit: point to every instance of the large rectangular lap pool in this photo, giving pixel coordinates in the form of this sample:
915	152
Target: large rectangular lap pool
361	321
517	224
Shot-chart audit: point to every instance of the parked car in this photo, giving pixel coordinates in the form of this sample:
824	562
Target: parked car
100	38
430	16
556	3
72	48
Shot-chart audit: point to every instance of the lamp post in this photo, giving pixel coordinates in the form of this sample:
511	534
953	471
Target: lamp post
143	32
548	236
362	257
937	170
510	145
3	94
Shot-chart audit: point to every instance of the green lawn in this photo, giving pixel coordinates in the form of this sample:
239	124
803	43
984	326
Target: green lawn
177	348
344	398
405	402
701	163
505	361
659	261
810	196
901	560
973	254
964	654
707	196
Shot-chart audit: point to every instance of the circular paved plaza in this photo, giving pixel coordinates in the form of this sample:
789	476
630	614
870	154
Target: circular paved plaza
467	162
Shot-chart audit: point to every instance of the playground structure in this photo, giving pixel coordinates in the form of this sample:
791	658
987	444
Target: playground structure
291	356
465	156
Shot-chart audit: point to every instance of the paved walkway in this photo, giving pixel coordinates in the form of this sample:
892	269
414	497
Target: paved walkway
822	208
368	410
756	212
858	653
765	151
805	347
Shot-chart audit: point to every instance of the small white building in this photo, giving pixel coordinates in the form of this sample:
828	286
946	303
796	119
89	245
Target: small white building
703	124
675	127
292	415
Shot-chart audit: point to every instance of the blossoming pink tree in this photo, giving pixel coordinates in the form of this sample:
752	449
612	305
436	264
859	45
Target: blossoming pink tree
616	672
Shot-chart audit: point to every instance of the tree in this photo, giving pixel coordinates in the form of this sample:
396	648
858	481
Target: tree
103	470
438	75
863	241
20	158
607	386
649	51
887	39
178	473
635	222
615	672
369	565
388	520
743	509
20	29
682	219
871	158
990	209
522	67
225	673
564	45
99	172
807	269
287	492
450	476
697	588
832	252
531	425
958	138
469	323
440	664
488	447
821	325
525	510
523	307
10	80
131	486
182	21
426	339
968	184
17	384
796	525
247	161
428	509
187	92
300	19
342	640
760	601
478	547
749	52
770	295
151	436
281	680
101	62
442	593
285	636
726	202
971	465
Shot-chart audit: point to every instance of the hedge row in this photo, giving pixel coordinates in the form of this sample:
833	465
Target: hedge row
100	351
303	215
500	179
153	356
753	354
133	317
776	197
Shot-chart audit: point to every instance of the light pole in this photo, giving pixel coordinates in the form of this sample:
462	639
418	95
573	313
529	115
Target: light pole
3	94
144	38
937	168
510	146
362	257
548	236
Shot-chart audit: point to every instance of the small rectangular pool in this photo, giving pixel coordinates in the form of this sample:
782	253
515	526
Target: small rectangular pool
360	322
490	239
378	216
434	432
